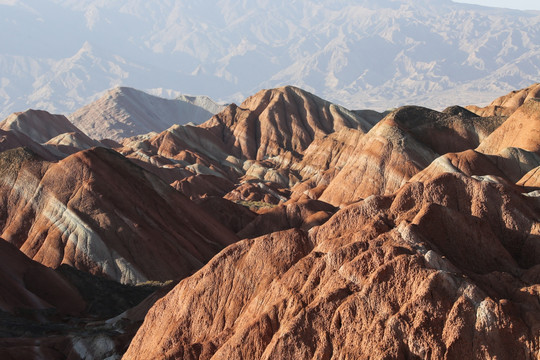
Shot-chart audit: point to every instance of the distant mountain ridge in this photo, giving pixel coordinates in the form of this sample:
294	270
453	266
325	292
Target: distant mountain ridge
367	54
124	112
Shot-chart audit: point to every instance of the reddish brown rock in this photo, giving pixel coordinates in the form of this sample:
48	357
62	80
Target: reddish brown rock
41	126
521	130
531	180
440	270
507	104
180	152
384	159
28	285
326	154
281	120
233	216
303	214
14	139
258	192
198	186
401	145
102	214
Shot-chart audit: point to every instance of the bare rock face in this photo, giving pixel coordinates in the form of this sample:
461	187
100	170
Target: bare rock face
384	159
507	104
258	192
232	215
14	139
303	214
520	130
40	125
401	145
125	112
180	152
199	186
98	212
531	179
444	269
279	120
26	284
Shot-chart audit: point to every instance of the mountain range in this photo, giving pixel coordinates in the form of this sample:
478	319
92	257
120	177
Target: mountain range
359	54
285	226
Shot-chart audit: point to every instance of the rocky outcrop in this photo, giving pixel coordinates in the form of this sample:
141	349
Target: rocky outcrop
28	285
302	214
444	269
507	104
98	212
520	130
280	120
40	125
402	144
125	112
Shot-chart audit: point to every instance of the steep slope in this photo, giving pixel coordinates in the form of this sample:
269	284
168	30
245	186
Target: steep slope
376	281
507	104
98	212
124	112
28	285
273	122
14	139
41	126
405	142
520	130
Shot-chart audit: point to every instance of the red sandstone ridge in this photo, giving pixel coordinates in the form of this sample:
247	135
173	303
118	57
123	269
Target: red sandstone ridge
40	125
445	269
98	212
26	284
520	130
507	104
281	120
402	144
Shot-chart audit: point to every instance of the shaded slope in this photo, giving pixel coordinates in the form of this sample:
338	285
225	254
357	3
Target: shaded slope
28	285
399	146
98	212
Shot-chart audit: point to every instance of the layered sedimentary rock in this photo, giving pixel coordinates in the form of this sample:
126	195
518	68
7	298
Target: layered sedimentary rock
507	104
520	130
98	212
401	145
125	112
28	285
444	269
303	214
281	120
40	125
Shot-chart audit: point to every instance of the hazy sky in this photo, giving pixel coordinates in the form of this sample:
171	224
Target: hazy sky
514	4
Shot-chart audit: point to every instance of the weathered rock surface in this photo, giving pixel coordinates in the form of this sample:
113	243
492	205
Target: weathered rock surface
444	269
125	112
28	285
281	120
402	144
507	104
40	125
303	214
520	130
98	212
